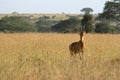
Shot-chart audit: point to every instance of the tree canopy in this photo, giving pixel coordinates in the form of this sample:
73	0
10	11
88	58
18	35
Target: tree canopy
111	11
70	25
87	10
16	24
87	21
104	27
44	24
110	18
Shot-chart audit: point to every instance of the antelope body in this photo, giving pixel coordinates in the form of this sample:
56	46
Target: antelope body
77	47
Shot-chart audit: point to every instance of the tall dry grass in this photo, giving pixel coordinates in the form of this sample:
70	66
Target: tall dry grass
43	56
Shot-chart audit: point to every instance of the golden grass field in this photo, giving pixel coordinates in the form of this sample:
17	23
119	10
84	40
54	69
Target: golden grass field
45	56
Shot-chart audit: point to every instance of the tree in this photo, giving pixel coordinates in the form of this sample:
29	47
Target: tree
87	10
116	0
110	15
87	21
117	28
70	25
17	24
15	13
44	24
111	11
104	27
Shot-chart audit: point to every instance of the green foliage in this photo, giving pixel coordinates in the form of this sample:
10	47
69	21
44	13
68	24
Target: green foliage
117	29
87	23
111	14
44	24
70	25
104	27
16	24
111	11
87	10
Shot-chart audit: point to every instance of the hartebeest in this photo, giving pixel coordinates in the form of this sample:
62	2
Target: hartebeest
78	47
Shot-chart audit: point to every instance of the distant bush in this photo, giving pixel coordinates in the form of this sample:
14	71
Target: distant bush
70	25
117	28
16	24
104	27
44	24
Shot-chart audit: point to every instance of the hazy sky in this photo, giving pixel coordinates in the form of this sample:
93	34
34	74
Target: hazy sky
50	6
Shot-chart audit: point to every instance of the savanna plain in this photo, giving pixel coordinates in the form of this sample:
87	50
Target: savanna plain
46	56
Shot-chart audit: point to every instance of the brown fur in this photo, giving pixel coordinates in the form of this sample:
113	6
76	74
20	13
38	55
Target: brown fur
77	47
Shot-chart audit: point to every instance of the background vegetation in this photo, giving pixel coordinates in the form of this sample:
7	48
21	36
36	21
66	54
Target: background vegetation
16	24
106	22
70	25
